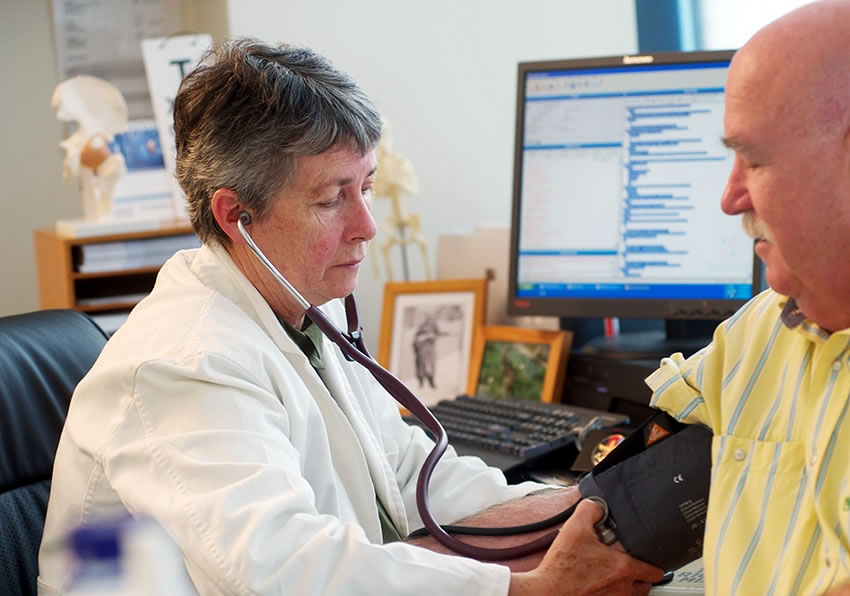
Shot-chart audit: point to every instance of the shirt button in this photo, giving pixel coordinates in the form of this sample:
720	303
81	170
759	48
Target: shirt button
836	366
813	460
740	454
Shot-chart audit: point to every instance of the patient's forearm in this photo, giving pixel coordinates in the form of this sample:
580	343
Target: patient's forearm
528	509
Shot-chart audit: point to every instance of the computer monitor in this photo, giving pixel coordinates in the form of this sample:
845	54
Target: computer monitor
618	173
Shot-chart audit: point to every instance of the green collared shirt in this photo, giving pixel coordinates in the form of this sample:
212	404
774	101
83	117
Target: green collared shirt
309	341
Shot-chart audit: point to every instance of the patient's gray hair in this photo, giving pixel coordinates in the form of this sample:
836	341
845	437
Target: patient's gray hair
248	111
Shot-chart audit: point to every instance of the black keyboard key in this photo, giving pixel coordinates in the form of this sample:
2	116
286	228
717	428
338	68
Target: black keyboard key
517	428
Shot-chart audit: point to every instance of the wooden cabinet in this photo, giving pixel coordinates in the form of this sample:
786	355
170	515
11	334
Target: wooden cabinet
117	286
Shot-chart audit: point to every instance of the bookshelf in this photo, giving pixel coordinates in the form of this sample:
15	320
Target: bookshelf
103	274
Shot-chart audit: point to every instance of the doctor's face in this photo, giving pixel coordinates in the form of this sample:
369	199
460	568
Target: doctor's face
318	230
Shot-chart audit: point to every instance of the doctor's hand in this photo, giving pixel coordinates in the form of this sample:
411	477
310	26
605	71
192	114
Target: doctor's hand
577	563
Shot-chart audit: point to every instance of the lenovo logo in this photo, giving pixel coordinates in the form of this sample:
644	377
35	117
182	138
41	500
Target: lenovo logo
638	59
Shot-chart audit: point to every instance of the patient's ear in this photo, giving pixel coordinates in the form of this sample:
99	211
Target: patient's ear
226	208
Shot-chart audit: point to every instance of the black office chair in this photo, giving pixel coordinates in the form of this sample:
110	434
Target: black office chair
43	355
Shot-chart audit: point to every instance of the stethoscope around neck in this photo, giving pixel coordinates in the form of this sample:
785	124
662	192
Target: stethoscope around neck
352	346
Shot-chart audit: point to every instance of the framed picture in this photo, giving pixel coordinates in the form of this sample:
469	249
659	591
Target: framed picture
517	363
427	331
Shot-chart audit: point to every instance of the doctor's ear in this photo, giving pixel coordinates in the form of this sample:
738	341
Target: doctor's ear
226	210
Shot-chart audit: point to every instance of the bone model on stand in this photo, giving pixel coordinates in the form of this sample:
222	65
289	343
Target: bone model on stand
100	112
395	179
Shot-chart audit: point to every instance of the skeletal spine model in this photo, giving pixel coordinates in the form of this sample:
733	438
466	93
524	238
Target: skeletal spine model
395	179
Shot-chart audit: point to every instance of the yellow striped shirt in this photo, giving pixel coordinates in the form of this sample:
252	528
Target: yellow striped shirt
774	389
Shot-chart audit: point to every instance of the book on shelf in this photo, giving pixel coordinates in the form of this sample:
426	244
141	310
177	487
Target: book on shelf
132	254
111	321
86	228
101	300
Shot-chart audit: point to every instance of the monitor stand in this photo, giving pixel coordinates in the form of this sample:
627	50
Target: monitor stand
685	336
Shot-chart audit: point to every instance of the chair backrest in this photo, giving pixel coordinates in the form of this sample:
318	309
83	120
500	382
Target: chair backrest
43	355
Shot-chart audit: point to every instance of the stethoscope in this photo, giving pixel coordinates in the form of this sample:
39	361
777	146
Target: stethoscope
353	347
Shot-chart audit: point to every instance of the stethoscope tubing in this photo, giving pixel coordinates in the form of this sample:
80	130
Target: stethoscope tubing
354	348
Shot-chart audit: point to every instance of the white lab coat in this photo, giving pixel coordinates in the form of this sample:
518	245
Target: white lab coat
203	414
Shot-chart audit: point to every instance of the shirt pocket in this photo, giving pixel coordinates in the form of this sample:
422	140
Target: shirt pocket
757	481
757	508
734	456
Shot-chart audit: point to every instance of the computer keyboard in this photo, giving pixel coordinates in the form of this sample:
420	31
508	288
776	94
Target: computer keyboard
507	433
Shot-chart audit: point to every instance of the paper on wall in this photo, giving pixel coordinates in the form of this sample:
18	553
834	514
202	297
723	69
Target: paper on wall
167	60
101	38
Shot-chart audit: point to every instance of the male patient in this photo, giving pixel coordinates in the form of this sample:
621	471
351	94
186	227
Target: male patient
775	381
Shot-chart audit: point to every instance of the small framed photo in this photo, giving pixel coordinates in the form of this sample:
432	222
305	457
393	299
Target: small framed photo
518	363
427	332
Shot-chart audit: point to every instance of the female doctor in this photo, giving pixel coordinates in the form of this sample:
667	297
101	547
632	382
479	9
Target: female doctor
219	410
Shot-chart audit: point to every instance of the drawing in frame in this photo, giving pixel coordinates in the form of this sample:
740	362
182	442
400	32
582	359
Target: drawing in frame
519	363
427	332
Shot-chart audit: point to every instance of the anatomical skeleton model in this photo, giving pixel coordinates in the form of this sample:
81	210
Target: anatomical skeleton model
100	112
395	179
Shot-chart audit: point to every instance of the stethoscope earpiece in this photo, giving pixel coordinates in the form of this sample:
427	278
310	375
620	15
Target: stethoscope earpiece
245	218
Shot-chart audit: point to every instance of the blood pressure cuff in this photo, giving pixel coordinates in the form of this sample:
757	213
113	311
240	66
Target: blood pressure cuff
656	484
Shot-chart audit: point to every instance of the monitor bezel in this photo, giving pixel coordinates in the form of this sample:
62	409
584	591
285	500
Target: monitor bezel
644	308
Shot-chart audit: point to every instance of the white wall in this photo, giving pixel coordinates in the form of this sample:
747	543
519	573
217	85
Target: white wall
730	23
444	73
34	194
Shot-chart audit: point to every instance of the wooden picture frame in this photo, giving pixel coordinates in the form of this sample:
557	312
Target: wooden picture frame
541	354
427	332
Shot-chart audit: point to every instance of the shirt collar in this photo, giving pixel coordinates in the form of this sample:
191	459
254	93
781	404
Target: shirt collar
791	315
309	341
795	319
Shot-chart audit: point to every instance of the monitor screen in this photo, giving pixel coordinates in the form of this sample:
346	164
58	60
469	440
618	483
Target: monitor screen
619	170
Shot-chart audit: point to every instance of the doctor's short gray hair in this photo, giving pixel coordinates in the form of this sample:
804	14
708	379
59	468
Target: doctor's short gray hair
243	117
